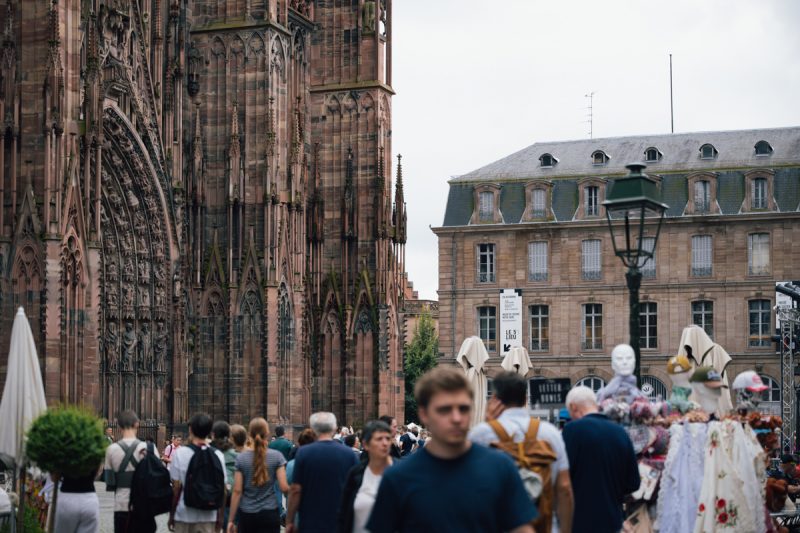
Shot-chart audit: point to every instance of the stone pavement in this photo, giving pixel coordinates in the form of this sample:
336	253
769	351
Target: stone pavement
107	511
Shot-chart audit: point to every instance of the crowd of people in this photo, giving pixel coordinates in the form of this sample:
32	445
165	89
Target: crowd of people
511	473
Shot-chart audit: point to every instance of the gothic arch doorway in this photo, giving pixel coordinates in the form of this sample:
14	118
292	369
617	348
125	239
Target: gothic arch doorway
136	273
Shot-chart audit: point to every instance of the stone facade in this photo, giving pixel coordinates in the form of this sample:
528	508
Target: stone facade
751	247
197	208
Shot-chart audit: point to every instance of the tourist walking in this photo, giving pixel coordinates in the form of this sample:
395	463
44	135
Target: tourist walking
603	466
451	485
307	436
78	509
170	449
254	485
363	480
238	437
281	443
392	423
319	473
197	460
120	464
506	413
221	440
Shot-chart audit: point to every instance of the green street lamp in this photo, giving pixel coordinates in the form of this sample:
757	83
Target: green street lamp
634	212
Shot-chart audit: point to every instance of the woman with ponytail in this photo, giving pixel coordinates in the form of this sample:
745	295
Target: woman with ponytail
257	468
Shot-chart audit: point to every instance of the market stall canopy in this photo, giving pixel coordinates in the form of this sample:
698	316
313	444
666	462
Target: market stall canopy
517	360
23	394
472	356
705	352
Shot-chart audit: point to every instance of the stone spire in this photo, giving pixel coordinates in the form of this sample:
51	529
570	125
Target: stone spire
399	205
197	153
234	156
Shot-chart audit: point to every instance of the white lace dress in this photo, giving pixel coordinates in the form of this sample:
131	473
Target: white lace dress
682	479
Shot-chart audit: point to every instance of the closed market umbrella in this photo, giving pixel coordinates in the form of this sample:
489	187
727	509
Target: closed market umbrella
706	352
23	394
517	360
472	356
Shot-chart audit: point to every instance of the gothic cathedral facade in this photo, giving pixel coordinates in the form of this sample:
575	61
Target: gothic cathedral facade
197	206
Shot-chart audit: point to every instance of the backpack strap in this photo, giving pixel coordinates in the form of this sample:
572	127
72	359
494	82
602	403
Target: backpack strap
533	430
124	478
500	431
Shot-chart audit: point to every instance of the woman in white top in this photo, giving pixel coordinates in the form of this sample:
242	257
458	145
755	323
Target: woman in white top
361	485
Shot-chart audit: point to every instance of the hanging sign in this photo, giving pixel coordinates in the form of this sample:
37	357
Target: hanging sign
549	391
510	319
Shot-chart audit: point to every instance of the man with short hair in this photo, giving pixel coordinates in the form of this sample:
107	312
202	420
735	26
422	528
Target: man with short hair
174	444
507	406
603	466
319	473
451	485
392	423
281	443
184	519
121	460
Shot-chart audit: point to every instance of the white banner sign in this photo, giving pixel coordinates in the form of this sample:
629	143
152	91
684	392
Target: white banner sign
510	320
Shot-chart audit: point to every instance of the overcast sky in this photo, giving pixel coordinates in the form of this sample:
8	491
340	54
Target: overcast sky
477	80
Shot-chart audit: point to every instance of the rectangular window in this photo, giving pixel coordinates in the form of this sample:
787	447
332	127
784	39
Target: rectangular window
648	265
759	193
591	207
703	316
487	327
648	325
702	196
758	254
591	267
540	328
702	266
486	268
537	261
759	323
538	203
486	210
592	330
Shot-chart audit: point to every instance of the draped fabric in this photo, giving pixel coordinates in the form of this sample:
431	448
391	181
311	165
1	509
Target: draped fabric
679	494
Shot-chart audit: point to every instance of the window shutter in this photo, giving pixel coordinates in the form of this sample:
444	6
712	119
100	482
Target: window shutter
538	201
537	261
487	206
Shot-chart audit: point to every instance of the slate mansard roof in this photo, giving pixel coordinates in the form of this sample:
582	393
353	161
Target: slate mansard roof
680	157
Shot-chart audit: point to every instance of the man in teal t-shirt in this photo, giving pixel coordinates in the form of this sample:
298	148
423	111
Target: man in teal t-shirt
281	443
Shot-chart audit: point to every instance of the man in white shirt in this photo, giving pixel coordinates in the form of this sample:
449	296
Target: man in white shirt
507	405
183	519
118	477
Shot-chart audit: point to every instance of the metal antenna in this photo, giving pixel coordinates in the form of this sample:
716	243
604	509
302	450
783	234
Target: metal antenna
590	96
671	109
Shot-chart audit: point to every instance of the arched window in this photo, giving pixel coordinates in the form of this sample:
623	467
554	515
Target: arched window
593	382
763	148
707	151
547	160
599	157
652	155
654	388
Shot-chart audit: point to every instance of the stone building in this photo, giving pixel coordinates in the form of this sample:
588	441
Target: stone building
197	208
534	222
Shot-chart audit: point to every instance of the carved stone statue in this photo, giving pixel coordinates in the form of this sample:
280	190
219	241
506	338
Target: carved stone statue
112	272
144	270
161	295
127	295
127	269
160	348
143	360
139	222
158	272
368	16
128	347
144	296
111	348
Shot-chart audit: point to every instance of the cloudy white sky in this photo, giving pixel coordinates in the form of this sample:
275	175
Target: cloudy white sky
477	80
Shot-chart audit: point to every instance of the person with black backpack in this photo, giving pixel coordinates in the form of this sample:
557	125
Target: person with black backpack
122	457
151	492
198	482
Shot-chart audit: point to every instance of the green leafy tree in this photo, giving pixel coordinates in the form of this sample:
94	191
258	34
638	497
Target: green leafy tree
420	357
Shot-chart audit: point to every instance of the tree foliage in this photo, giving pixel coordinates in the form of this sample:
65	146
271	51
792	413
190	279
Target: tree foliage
420	357
67	440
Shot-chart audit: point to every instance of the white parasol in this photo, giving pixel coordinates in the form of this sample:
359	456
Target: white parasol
517	360
706	352
472	356
23	394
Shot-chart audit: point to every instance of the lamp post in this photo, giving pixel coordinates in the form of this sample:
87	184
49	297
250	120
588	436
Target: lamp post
634	212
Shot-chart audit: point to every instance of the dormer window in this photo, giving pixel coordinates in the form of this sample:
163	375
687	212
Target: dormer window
652	155
538	194
702	189
599	157
538	203
486	206
486	198
759	190
763	148
591	193
707	151
547	161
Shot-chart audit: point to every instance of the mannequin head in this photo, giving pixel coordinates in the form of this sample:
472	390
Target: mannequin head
679	369
623	360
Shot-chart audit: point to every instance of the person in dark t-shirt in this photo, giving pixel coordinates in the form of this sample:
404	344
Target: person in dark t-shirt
319	473
451	485
602	465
